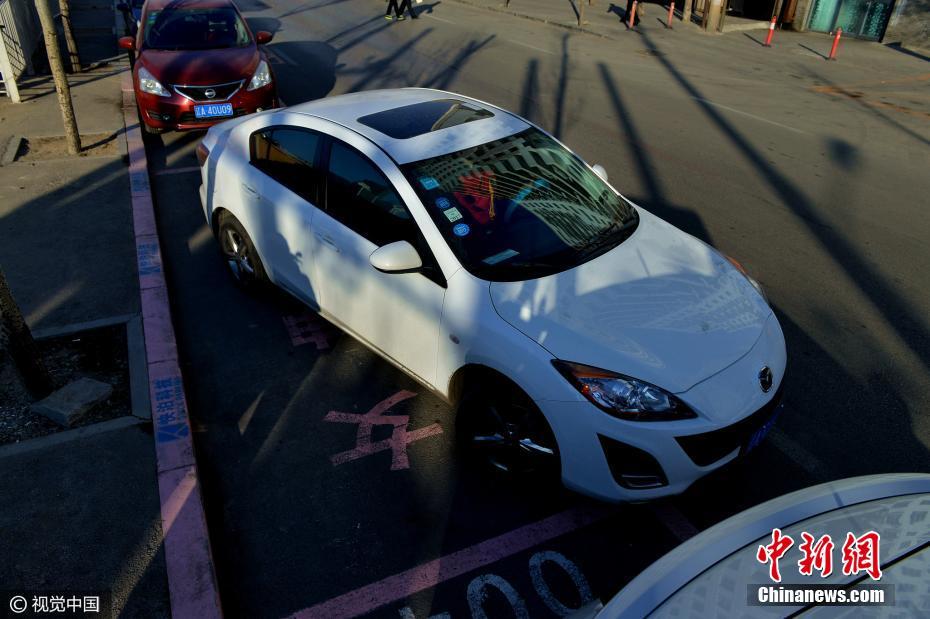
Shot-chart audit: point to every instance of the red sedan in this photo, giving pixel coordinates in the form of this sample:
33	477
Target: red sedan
196	64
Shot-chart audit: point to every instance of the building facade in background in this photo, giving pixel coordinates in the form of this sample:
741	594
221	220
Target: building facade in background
903	22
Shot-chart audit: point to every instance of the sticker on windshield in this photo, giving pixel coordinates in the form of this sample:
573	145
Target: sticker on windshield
452	214
504	255
429	182
460	229
443	203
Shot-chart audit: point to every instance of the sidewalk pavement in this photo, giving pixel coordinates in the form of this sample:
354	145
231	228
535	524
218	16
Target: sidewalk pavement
607	20
602	17
67	246
872	75
81	514
80	509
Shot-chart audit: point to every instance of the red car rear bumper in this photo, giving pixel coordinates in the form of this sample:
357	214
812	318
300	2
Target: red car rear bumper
177	112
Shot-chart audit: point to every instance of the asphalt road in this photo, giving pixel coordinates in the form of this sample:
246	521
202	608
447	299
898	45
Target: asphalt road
810	174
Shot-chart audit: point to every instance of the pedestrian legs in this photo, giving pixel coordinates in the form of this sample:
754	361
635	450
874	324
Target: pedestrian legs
406	4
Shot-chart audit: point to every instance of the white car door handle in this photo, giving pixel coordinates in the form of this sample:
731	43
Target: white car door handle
328	240
249	189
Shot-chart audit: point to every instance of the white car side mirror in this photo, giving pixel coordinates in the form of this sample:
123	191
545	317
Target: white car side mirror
396	257
600	171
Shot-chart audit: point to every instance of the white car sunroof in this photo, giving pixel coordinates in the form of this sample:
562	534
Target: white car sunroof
416	119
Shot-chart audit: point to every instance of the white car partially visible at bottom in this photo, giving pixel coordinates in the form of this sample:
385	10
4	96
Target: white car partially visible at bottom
572	330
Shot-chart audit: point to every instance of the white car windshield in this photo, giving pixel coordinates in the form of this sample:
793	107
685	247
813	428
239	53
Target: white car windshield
521	207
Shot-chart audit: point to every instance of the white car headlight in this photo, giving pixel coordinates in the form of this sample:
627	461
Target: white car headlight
148	83
622	396
262	76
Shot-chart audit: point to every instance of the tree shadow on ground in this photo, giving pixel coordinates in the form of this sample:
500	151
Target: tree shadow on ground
656	199
897	311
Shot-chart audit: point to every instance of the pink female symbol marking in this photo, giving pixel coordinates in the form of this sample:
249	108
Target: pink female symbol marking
307	328
398	441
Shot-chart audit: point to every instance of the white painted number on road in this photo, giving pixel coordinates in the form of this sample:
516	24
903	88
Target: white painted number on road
478	591
542	588
480	588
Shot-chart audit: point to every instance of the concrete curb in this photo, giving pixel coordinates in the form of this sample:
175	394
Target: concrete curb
191	574
43	442
77	327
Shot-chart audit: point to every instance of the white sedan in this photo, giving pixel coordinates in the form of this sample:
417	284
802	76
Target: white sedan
572	330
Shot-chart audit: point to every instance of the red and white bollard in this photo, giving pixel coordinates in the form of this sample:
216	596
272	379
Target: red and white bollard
768	37
629	24
836	43
671	13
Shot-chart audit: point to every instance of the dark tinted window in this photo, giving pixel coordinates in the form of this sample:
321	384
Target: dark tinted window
190	28
291	157
412	120
521	207
360	196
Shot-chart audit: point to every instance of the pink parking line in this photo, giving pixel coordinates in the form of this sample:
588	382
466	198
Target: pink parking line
189	561
428	575
191	584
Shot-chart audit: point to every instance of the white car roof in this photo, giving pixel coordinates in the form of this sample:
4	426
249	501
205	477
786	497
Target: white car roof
708	575
346	110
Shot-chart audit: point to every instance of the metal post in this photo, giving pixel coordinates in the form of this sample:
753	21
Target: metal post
671	13
836	43
771	33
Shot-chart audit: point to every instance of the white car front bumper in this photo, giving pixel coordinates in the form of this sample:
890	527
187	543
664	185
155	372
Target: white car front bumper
619	460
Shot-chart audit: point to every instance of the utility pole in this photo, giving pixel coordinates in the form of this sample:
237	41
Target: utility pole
58	73
64	7
23	348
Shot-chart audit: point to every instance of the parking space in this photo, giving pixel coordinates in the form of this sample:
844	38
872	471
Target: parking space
318	505
305	505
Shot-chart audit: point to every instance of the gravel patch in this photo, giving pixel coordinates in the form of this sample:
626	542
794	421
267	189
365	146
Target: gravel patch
99	354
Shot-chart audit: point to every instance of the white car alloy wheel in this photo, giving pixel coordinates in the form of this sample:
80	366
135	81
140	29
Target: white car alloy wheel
241	258
505	431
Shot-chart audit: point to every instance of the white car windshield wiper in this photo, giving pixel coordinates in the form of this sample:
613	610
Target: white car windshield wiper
608	237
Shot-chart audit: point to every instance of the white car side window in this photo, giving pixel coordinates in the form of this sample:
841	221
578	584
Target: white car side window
291	157
362	198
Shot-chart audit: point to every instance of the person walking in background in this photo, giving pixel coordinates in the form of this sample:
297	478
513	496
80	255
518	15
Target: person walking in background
399	12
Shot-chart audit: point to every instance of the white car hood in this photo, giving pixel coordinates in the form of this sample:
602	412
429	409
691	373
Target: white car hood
662	307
